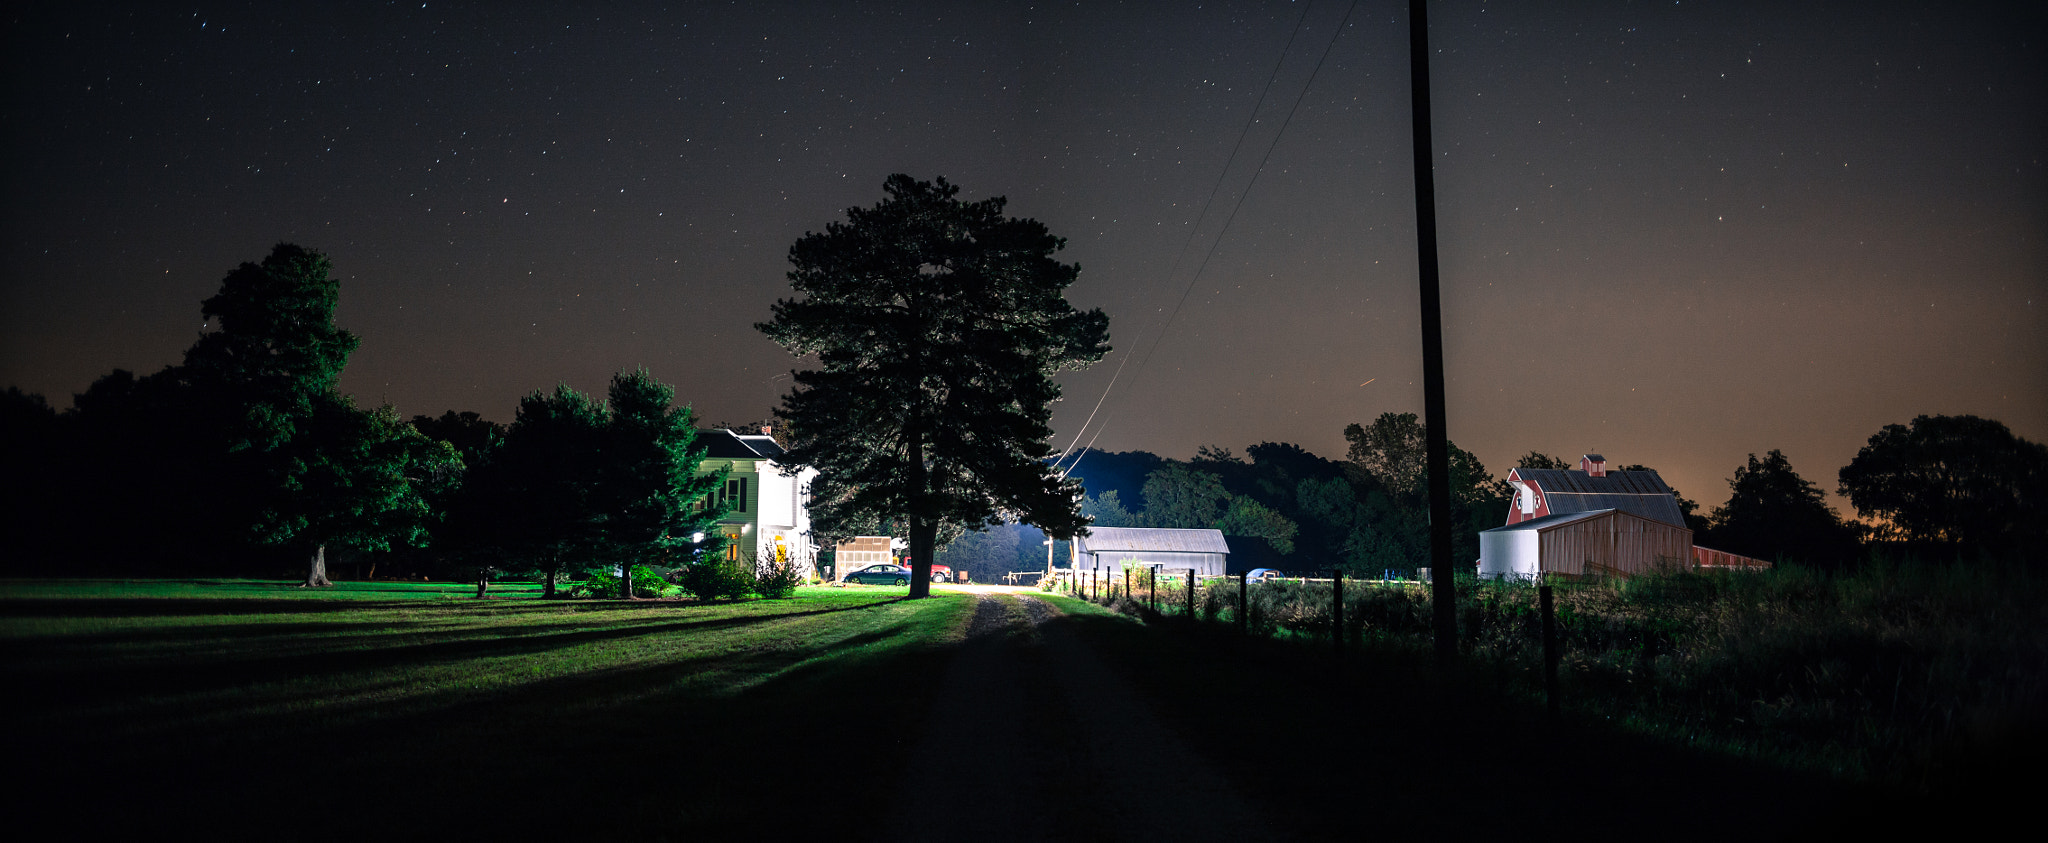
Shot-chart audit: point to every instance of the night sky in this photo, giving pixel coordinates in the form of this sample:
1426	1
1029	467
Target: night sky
1671	233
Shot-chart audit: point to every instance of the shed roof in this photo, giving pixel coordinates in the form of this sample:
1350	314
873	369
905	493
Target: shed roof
1638	492
1152	538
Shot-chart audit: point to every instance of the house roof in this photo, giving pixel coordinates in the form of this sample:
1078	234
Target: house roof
1110	539
724	444
1636	492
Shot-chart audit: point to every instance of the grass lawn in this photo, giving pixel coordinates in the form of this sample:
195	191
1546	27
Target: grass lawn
252	709
236	709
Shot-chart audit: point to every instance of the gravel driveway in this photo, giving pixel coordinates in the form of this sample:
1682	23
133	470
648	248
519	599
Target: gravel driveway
1032	737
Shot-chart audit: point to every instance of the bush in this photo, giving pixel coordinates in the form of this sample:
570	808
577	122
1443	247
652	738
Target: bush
603	583
775	581
717	580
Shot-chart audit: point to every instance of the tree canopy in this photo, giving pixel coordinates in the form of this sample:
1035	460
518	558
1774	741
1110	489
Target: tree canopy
316	469
937	326
577	482
1959	481
1774	513
1392	452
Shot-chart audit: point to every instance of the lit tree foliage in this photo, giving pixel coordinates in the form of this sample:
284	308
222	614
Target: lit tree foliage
646	488
577	482
1180	497
1107	510
318	469
1248	517
1392	452
937	325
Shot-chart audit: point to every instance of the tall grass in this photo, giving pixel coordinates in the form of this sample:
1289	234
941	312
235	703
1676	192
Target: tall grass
1896	672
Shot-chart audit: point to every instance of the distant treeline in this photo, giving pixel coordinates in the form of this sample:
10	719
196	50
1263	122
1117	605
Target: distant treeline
243	459
1940	487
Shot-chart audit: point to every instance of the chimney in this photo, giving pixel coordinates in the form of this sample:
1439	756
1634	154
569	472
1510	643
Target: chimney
1593	465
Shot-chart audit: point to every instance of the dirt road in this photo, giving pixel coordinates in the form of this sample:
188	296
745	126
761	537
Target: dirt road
1079	756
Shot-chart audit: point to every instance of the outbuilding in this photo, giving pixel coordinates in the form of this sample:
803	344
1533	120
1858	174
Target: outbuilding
1601	542
1110	547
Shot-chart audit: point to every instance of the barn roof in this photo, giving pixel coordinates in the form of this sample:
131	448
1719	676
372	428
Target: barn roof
724	444
1548	521
1154	539
1637	492
1551	521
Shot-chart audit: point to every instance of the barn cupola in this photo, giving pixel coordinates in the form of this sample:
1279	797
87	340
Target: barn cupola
1593	465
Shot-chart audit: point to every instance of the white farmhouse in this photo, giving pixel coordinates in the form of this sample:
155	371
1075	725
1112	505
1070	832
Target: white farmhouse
770	517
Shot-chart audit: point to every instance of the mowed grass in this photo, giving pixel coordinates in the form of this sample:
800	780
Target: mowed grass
411	710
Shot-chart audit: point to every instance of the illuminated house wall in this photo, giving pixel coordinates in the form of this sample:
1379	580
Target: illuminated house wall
770	514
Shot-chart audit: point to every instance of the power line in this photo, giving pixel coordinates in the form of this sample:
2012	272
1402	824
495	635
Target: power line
1193	232
1228	221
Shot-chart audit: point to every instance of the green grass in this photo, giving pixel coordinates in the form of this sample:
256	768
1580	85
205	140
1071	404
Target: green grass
419	707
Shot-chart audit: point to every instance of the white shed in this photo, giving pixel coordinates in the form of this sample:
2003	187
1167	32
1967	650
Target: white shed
1606	542
1109	547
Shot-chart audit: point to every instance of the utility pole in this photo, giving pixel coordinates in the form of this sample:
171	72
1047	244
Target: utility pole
1443	578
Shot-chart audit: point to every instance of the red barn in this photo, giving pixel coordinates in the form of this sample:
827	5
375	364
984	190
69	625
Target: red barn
1563	491
1562	521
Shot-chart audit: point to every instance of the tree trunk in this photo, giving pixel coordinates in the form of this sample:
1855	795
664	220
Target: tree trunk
316	576
483	584
923	531
626	581
547	586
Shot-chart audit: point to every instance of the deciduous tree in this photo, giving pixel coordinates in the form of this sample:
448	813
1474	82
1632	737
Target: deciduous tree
319	469
937	325
1959	481
1773	513
1179	497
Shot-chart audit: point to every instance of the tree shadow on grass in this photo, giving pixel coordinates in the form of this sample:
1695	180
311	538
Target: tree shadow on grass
626	752
93	672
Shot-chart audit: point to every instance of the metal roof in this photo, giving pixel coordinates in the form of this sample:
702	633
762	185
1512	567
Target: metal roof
724	444
1636	492
1549	521
1110	539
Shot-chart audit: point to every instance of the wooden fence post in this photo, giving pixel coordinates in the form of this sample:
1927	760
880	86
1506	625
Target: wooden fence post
1549	651
1152	583
1244	619
1127	583
1191	593
1337	611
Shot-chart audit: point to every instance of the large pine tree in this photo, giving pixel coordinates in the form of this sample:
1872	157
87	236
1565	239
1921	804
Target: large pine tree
937	325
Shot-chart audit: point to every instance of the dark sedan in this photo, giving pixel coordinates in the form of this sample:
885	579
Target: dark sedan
880	575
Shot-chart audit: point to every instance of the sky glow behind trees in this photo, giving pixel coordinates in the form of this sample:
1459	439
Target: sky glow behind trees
1672	233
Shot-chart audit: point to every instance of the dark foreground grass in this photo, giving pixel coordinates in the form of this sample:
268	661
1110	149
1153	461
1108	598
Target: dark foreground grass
238	710
1388	745
1916	677
252	711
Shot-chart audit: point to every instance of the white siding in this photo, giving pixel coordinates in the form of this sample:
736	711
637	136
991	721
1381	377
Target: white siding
1508	553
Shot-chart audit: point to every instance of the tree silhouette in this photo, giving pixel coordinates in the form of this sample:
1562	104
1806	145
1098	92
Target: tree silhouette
319	470
1775	513
1956	481
938	325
